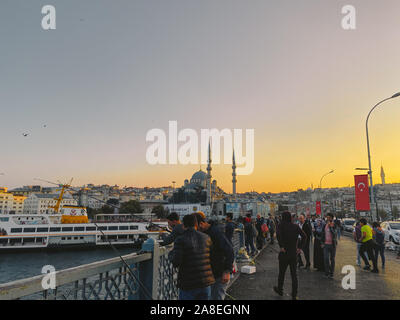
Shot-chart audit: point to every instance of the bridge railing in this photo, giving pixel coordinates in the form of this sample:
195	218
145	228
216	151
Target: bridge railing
150	276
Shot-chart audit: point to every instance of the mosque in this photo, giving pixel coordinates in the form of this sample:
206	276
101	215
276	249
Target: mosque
201	179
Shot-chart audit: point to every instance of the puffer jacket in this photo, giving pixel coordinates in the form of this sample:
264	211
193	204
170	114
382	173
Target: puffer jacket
191	255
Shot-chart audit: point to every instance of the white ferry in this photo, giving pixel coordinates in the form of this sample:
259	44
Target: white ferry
71	228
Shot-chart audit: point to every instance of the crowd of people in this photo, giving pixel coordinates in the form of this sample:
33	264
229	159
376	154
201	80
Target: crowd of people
204	255
203	250
295	235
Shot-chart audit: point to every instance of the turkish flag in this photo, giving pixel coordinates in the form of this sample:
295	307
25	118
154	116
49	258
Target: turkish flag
318	208
362	192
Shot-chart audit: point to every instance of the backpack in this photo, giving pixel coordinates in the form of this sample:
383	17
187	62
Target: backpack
264	228
357	234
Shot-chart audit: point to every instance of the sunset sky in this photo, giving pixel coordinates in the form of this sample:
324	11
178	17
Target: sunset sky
113	70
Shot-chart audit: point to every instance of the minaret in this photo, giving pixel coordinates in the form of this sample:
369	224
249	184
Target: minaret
234	175
382	176
209	174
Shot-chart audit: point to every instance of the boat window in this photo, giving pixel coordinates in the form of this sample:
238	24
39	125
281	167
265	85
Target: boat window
57	229
102	228
67	229
4	219
123	227
29	230
133	227
15	230
79	228
42	229
90	228
113	228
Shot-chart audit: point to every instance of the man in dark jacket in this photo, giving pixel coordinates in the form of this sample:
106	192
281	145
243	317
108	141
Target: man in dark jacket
222	256
250	233
177	229
329	243
191	255
288	234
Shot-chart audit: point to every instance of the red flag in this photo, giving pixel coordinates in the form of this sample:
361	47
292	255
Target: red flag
362	192
318	208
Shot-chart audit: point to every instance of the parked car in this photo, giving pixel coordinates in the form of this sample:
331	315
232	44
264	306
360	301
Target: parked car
392	231
348	224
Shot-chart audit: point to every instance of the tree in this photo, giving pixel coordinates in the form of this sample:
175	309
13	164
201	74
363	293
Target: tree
160	212
107	209
395	212
382	214
131	206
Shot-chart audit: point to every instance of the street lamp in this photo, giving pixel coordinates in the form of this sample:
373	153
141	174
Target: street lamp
369	154
320	187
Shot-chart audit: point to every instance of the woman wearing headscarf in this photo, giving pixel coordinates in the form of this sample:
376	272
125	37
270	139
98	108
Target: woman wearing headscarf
318	250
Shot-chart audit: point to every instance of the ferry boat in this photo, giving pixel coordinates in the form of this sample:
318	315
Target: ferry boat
72	228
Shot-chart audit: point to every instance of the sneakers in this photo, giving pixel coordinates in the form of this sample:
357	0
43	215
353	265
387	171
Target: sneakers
367	268
375	271
280	292
330	276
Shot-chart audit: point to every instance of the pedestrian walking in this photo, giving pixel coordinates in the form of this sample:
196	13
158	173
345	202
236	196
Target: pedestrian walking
260	239
338	225
368	245
272	228
318	250
222	256
192	256
357	238
305	242
379	237
329	244
250	234
287	236
240	227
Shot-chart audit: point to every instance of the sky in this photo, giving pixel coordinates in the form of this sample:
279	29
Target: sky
113	70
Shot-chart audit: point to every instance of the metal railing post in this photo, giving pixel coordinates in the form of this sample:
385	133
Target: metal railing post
148	271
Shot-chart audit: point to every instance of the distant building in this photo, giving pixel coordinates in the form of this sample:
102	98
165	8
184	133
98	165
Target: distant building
11	204
40	203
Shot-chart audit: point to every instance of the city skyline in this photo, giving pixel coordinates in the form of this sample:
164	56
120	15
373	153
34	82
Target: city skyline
88	92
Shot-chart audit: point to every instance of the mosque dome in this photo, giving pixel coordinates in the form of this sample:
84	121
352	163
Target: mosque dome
199	178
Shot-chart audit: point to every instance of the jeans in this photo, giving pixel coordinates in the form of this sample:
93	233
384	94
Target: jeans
358	253
250	244
338	233
286	260
380	250
329	259
195	294
368	247
218	289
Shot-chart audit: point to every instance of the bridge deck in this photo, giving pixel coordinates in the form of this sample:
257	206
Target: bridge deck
313	285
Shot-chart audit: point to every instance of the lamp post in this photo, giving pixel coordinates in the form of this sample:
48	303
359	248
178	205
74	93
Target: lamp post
369	154
320	187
